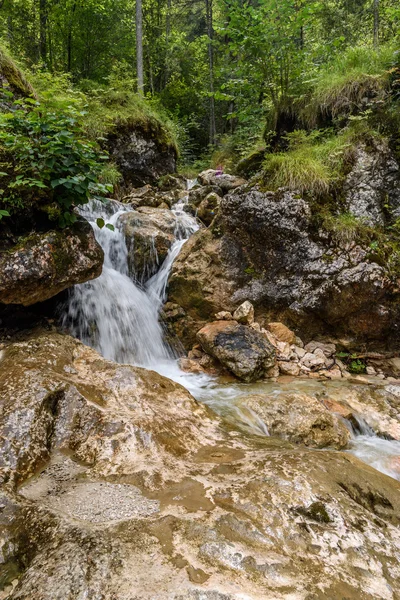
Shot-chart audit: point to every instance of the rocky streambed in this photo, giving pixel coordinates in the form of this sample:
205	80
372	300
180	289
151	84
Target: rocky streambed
258	467
116	483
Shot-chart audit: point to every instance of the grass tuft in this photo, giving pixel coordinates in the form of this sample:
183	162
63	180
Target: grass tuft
347	85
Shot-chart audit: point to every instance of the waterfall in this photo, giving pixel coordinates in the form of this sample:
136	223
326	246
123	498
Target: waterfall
112	313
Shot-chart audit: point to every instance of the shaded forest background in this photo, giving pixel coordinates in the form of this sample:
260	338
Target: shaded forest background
227	72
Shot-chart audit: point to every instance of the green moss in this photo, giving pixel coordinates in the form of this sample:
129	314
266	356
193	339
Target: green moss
316	511
17	81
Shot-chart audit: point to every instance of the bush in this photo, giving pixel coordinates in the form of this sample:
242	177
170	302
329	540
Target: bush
47	163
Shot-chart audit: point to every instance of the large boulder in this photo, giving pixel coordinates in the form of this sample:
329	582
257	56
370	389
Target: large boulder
149	234
139	492
41	265
372	188
242	350
143	153
265	247
300	419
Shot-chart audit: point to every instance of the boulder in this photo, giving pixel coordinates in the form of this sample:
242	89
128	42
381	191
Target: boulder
301	419
199	193
264	247
139	491
208	208
149	234
372	188
143	153
41	265
244	313
223	180
288	367
282	333
243	351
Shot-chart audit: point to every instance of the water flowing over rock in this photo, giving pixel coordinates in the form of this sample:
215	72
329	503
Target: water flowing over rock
115	314
243	351
43	264
149	234
300	419
139	493
264	248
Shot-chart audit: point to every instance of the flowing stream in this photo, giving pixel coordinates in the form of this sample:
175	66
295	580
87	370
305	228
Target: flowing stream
121	319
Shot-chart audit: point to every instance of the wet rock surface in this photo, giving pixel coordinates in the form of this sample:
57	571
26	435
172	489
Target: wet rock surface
300	419
243	351
149	234
43	264
116	483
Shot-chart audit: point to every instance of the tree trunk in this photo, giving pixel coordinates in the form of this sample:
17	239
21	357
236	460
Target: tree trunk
167	36
139	47
69	41
210	31
43	29
376	23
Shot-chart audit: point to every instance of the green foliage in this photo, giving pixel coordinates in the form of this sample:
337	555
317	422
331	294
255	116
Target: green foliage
313	164
355	80
46	161
13	75
354	364
346	228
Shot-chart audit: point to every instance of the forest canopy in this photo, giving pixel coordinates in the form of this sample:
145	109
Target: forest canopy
229	72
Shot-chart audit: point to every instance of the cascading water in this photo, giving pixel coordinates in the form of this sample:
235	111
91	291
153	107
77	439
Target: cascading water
111	313
120	319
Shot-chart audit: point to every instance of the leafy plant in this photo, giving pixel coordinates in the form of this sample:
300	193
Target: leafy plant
47	162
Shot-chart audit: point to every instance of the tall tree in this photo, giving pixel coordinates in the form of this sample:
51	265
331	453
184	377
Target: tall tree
139	46
376	23
210	33
43	29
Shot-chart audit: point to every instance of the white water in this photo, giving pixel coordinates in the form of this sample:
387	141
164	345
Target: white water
121	320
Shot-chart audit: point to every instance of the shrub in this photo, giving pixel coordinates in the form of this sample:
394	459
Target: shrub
47	163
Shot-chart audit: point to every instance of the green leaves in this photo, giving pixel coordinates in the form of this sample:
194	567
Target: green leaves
4	213
51	160
101	223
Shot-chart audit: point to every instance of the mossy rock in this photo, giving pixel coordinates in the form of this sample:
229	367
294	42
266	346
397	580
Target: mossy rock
10	74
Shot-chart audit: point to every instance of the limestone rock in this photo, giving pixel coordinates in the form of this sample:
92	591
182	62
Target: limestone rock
327	349
373	183
243	351
282	333
149	234
300	419
223	180
288	367
208	208
198	194
140	493
43	264
244	313
143	153
224	315
264	248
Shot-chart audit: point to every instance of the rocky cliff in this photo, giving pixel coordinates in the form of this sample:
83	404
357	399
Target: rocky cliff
271	248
